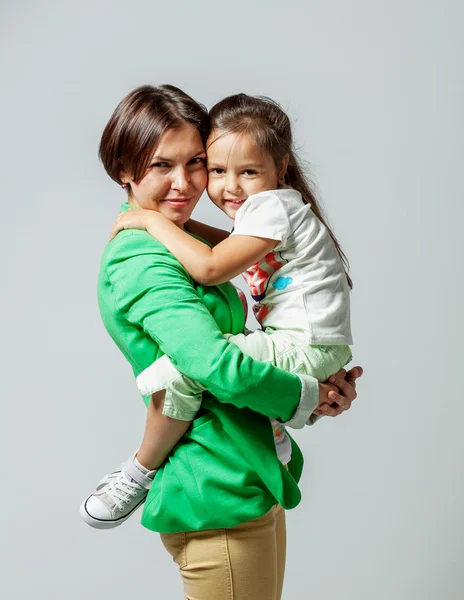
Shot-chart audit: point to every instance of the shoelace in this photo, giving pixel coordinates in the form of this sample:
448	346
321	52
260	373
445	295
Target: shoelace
108	479
120	489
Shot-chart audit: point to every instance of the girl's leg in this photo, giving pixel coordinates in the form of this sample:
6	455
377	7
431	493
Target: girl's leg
120	493
161	434
288	350
240	563
292	352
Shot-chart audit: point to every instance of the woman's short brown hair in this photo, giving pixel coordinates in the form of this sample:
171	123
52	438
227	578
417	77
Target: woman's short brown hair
138	123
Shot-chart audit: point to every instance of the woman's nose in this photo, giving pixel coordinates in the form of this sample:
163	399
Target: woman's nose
181	180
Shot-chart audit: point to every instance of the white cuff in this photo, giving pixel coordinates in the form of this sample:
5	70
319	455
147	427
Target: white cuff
158	376
308	402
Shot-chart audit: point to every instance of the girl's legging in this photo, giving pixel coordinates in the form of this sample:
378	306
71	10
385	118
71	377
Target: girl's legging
246	562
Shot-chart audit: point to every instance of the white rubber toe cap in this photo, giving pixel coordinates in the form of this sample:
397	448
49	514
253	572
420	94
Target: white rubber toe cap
96	509
95	514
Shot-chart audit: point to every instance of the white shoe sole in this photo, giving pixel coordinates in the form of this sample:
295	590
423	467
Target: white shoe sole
102	523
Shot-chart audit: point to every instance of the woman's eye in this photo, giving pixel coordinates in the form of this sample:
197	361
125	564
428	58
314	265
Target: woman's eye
198	160
160	165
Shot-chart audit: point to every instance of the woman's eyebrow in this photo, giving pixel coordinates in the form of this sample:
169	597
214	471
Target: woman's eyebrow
163	159
160	159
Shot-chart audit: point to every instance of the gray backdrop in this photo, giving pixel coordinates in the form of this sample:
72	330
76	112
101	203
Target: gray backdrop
375	91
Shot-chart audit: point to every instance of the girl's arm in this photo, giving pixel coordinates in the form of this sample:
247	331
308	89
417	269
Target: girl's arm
208	266
151	290
213	235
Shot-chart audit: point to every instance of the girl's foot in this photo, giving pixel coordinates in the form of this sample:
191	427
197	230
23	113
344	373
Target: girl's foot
117	496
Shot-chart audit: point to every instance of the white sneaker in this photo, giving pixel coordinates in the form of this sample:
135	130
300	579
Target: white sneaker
118	495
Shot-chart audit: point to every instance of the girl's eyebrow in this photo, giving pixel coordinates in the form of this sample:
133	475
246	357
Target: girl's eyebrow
244	166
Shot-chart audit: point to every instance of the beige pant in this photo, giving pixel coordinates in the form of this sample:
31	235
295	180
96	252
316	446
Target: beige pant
246	562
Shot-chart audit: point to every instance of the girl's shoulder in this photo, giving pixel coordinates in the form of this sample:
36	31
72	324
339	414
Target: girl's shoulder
271	201
282	194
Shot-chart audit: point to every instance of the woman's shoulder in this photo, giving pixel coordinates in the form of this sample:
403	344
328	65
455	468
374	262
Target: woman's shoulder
134	242
133	251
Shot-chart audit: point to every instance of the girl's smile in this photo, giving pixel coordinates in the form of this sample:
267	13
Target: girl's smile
237	168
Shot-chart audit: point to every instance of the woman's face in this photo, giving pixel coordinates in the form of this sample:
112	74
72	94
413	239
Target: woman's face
176	177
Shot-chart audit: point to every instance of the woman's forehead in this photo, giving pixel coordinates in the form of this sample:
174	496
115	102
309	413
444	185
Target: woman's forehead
182	141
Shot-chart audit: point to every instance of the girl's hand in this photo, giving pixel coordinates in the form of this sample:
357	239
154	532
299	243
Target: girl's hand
132	219
340	390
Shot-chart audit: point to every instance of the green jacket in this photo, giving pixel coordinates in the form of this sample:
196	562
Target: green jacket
224	471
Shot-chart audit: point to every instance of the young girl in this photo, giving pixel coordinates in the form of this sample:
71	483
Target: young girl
288	256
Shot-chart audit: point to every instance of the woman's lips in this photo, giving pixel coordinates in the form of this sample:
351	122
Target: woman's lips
179	202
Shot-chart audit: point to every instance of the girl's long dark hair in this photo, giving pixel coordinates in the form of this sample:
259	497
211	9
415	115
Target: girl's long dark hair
270	128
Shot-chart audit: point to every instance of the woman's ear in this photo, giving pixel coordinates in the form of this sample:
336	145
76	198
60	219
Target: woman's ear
282	169
125	179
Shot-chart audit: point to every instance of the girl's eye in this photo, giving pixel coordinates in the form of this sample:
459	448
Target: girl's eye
217	171
249	172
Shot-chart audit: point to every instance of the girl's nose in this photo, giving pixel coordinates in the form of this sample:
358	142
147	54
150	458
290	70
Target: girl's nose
231	185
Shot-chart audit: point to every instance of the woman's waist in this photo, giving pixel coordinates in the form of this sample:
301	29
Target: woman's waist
223	472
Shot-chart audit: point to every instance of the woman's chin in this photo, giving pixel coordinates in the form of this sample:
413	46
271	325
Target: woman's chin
178	215
178	219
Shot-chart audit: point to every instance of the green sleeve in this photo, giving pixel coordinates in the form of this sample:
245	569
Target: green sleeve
153	291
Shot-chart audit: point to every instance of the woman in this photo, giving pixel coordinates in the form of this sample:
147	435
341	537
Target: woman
217	500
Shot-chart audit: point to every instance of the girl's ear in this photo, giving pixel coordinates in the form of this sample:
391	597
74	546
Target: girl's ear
282	169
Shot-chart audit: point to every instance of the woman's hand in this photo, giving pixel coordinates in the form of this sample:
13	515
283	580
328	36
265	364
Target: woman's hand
133	219
336	395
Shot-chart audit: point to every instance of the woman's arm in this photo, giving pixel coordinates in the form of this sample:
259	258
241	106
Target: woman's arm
213	235
154	293
208	266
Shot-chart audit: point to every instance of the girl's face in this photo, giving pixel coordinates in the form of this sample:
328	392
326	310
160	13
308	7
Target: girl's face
238	168
176	177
